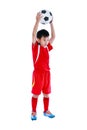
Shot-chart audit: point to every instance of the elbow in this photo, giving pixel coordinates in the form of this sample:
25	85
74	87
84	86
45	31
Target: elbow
53	37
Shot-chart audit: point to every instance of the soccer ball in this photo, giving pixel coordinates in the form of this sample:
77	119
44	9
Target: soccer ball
46	17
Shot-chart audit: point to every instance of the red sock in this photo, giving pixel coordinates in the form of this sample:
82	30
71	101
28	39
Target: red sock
34	104
46	103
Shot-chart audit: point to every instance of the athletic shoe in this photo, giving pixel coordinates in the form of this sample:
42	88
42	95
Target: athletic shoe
49	114
33	116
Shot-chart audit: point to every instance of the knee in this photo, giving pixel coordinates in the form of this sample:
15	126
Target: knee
46	95
35	96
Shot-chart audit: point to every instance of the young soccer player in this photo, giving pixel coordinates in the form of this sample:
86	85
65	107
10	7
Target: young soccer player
41	46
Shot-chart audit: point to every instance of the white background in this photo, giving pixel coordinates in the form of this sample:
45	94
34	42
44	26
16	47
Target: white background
68	63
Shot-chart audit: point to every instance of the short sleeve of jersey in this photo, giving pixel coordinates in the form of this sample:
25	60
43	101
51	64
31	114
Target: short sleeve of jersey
34	44
50	47
34	50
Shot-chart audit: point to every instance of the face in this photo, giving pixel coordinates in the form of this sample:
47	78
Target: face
43	41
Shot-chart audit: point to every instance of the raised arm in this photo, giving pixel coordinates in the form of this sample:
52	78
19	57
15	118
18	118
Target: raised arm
52	33
38	17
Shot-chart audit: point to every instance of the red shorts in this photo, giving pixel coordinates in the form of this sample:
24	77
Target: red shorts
41	82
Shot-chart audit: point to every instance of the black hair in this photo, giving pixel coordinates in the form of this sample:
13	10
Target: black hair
42	33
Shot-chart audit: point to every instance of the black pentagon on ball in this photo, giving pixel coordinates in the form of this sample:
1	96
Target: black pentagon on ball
43	11
43	23
50	13
46	18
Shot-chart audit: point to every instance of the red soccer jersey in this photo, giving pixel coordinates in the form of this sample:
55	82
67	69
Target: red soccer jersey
41	56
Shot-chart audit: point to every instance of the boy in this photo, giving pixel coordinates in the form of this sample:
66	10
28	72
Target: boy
41	45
